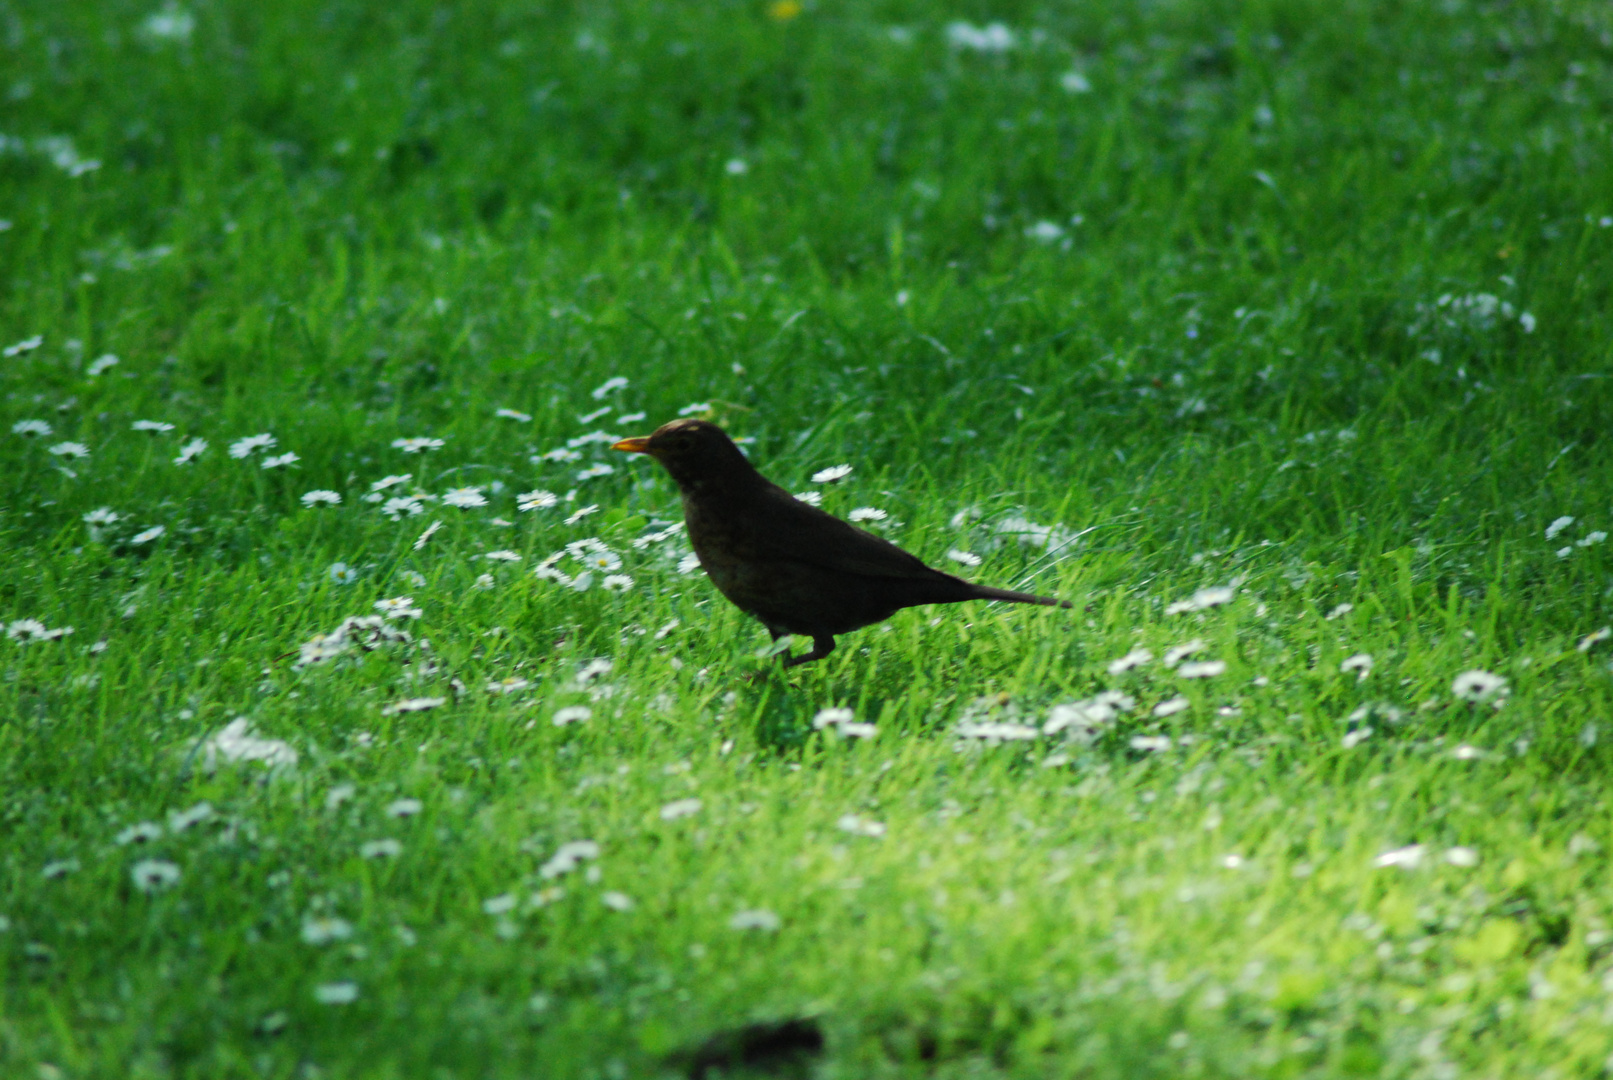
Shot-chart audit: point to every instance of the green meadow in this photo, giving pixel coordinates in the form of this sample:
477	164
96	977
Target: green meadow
363	715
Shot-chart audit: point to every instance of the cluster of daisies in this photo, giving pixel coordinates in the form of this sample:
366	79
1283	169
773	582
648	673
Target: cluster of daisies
1563	524
1078	724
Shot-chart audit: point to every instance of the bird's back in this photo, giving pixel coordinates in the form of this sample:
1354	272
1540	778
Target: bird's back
802	571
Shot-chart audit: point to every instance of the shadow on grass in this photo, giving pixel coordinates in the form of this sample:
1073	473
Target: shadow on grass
779	1048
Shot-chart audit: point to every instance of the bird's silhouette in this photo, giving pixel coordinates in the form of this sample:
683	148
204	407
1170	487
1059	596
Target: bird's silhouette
790	565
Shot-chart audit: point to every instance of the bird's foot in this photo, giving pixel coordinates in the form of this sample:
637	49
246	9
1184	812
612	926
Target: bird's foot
821	647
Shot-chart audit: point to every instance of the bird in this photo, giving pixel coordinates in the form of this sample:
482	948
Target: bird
793	567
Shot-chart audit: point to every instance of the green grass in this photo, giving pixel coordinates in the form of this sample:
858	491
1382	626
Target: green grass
346	223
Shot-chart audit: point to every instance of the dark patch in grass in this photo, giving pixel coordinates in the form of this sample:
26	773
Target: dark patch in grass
781	717
770	1048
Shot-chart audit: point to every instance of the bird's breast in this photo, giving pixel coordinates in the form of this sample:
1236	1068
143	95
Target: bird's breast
722	538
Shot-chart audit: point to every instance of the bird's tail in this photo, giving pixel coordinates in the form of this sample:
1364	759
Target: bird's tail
986	592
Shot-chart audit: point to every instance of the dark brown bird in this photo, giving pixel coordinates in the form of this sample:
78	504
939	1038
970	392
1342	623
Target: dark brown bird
792	566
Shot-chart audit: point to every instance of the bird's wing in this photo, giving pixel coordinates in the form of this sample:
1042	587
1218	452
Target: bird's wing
788	528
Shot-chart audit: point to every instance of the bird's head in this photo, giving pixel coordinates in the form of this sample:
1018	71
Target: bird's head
695	452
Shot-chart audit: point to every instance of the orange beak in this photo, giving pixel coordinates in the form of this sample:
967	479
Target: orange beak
639	445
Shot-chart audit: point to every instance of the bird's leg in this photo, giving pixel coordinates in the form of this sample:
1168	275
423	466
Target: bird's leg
821	646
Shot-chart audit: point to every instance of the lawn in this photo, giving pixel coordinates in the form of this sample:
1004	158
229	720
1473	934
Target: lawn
363	715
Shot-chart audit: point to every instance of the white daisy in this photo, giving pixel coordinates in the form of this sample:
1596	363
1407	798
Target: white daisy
828	716
994	37
1589	641
568	857
511	414
380	849
616	583
416	445
324	929
512	685
579	514
148	535
594	669
811	498
631	418
403	808
1360	663
503	556
572	714
31	428
689	563
1478	685
190	451
142	833
597	469
391	481
484	582
647	539
546	569
70	450
867	513
832	474
759	919
695	407
321	497
153	875
1558	526
104	516
180	820
1172	706
502	904
1406	858
336	993
1045	231
1203	599
398	607
616	901
1151	743
593	438
1136	658
609	386
288	458
237	742
1355	738
342	574
993	731
681	808
589	418
1178	653
23	346
558	454
535	500
963	558
151	425
1204	669
101	364
400	505
241	448
859	826
465	498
